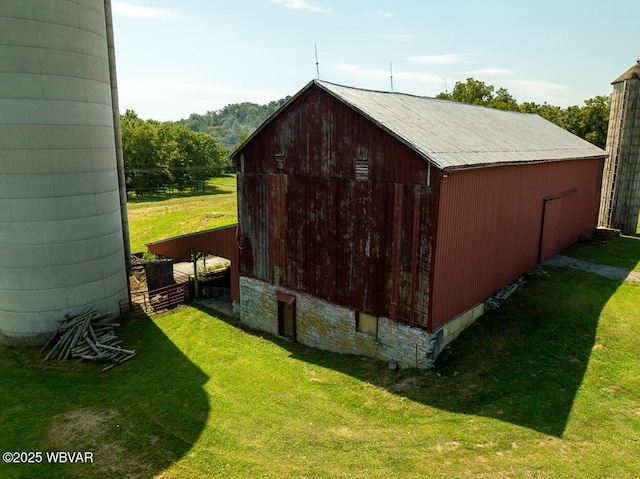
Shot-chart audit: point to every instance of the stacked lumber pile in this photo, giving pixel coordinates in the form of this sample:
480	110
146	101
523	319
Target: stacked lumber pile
89	336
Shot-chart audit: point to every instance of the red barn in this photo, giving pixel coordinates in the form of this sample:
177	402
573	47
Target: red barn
377	223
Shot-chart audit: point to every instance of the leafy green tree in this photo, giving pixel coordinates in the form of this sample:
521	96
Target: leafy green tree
474	92
241	139
168	154
226	125
140	152
595	119
503	100
549	112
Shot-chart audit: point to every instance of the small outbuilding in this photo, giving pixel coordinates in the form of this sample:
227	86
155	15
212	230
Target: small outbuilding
377	223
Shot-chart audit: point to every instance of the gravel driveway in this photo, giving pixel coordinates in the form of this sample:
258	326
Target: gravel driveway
603	270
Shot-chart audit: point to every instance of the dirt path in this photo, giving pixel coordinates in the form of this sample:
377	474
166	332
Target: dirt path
603	270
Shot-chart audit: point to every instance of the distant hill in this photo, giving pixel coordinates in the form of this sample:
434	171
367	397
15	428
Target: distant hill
227	125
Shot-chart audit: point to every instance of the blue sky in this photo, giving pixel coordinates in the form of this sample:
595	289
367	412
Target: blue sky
177	57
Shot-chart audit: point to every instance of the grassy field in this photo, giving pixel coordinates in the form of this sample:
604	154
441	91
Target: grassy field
621	251
159	216
547	386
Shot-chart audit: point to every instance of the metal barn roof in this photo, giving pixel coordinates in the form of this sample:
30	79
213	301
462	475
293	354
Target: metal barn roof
456	135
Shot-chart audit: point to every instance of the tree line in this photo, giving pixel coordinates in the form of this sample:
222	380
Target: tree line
186	153
233	123
159	155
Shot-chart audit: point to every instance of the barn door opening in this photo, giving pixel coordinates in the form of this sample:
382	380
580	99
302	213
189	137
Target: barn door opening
287	315
551	224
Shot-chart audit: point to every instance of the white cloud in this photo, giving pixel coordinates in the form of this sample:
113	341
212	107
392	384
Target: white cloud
129	10
381	14
539	91
396	36
491	71
359	72
445	58
302	5
171	101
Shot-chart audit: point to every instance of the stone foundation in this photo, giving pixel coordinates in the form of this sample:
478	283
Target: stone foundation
452	329
333	328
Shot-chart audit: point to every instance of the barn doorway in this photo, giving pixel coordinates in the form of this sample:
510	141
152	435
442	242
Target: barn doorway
551	215
287	315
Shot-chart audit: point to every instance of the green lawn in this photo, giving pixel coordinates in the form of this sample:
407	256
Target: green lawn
621	251
546	386
155	217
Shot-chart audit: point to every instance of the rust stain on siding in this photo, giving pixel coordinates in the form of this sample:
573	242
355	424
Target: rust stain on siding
316	225
333	205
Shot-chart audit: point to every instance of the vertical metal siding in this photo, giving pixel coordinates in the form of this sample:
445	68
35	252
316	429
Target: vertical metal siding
252	216
276	185
490	221
350	240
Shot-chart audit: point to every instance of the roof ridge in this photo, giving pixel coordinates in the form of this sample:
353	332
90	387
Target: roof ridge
421	97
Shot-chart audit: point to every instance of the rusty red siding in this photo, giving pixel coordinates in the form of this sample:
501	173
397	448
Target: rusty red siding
493	226
332	205
221	242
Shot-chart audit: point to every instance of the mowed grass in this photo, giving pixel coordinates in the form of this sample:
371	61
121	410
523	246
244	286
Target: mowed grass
157	216
621	251
545	386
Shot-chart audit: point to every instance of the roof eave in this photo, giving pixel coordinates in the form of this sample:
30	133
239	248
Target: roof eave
187	235
476	166
273	116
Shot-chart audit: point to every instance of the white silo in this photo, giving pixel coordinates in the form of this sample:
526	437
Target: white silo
61	234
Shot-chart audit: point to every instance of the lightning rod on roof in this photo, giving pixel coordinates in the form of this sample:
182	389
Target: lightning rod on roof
391	74
317	64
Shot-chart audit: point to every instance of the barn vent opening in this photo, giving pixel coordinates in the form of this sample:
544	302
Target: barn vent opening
361	168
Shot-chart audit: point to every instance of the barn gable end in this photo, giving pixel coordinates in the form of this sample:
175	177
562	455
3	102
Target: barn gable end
322	194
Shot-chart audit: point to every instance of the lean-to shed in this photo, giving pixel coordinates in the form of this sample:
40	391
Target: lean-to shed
377	223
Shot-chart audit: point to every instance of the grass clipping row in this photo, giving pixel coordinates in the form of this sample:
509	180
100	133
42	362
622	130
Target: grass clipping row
89	336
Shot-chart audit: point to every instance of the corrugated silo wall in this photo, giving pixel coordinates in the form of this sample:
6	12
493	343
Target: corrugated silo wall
621	179
61	242
493	225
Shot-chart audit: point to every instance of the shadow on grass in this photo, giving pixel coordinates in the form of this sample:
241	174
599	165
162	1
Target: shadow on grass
522	364
136	419
210	190
525	362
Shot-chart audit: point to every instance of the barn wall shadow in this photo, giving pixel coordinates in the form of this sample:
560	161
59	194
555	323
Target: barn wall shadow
168	193
522	363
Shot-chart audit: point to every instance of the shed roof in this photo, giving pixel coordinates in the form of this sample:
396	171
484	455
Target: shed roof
455	135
